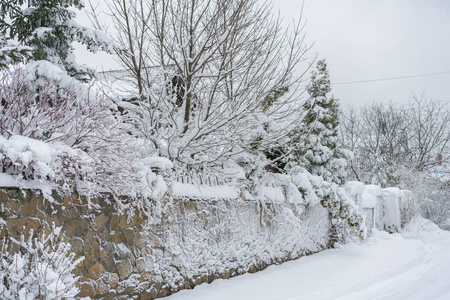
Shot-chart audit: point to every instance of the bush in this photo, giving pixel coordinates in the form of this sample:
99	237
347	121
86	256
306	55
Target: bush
60	130
346	219
42	269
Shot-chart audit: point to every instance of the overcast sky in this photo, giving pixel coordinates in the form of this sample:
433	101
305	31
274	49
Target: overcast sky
374	39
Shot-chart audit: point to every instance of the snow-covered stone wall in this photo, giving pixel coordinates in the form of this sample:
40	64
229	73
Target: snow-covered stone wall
381	207
186	242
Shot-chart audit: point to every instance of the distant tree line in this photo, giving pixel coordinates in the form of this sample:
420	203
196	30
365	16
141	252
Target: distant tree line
406	146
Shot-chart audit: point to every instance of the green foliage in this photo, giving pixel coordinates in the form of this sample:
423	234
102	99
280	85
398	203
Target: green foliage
346	220
273	97
315	144
320	81
11	52
384	172
49	28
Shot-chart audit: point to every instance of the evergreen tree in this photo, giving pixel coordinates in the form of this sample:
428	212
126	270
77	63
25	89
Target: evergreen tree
49	28
11	52
384	172
315	144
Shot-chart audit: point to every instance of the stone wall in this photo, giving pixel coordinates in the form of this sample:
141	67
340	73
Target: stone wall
185	243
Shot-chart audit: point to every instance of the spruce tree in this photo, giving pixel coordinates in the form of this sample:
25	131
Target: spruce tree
315	144
11	52
49	28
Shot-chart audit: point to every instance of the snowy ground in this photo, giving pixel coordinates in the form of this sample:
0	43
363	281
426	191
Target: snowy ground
414	265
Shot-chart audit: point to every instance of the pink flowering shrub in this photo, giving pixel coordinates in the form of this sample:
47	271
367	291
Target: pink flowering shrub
65	132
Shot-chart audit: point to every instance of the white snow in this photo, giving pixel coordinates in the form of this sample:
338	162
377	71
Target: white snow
373	189
7	180
160	163
25	148
368	200
271	194
354	187
415	266
392	202
203	191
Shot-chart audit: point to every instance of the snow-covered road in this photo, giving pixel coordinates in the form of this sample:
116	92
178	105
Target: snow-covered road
412	266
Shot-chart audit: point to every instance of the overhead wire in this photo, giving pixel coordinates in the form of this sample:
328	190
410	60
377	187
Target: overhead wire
390	78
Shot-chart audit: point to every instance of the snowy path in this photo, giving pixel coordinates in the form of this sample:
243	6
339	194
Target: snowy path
385	267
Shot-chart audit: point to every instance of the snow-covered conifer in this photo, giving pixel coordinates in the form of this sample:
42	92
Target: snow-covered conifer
11	52
315	144
50	29
384	172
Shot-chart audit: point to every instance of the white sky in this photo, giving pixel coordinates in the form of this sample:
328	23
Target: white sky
371	39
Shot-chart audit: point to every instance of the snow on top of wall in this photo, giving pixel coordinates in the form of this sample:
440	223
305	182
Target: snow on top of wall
392	192
373	189
202	191
161	163
46	187
271	194
368	200
354	188
7	180
24	151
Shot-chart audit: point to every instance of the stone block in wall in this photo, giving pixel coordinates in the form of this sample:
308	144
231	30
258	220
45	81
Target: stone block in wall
95	250
81	227
32	225
124	269
96	270
4	196
77	246
11	208
29	207
15	226
70	213
125	222
69	228
99	221
101	288
87	288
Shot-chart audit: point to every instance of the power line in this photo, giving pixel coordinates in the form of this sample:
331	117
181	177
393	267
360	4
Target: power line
391	78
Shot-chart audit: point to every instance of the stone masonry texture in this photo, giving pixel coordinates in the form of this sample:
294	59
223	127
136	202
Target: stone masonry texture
185	242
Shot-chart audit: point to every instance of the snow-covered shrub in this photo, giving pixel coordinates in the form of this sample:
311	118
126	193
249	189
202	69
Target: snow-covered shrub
42	269
84	144
346	218
253	167
308	185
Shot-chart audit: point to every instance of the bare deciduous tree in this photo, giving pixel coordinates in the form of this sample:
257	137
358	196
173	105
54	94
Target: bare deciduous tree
428	132
404	144
413	135
229	59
